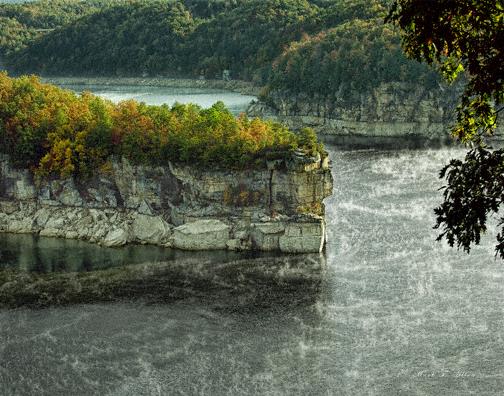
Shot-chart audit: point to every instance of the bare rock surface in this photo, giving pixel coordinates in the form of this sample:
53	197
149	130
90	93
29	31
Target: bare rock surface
279	208
390	110
201	235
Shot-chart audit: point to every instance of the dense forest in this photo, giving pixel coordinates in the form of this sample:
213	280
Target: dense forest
297	45
357	55
21	23
56	132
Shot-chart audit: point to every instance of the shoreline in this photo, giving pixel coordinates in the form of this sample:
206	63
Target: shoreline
239	86
351	140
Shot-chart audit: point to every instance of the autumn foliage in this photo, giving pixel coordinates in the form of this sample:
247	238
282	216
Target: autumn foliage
57	132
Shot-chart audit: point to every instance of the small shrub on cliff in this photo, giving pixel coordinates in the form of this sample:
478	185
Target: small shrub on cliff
307	139
56	132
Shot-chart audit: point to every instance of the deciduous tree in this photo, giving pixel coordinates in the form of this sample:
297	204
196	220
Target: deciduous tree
464	37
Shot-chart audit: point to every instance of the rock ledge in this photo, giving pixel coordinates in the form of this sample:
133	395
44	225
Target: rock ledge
275	209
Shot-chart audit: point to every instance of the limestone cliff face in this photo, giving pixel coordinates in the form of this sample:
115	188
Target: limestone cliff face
279	208
391	110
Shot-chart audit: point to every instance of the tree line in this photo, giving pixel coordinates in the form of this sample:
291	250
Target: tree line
55	132
299	45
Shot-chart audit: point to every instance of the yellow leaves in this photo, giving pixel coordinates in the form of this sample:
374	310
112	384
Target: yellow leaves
64	134
256	133
58	160
257	130
5	88
107	168
128	117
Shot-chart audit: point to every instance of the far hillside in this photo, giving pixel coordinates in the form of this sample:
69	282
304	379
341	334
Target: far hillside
333	66
295	45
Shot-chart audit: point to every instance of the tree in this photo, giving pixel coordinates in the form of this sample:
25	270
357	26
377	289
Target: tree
464	37
55	132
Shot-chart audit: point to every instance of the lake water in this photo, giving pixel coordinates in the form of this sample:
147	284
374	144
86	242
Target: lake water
205	97
385	311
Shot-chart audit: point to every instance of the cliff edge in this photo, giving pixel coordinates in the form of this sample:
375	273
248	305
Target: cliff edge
390	110
275	209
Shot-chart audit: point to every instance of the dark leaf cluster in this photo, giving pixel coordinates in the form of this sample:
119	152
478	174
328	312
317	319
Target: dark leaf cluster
464	37
475	190
460	36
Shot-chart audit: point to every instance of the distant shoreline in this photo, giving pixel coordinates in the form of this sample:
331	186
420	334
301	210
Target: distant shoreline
242	87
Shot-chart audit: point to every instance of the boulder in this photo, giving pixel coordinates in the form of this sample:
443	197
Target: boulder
144	208
42	217
265	236
4	222
239	244
150	229
116	237
8	207
201	235
23	226
55	220
307	237
51	232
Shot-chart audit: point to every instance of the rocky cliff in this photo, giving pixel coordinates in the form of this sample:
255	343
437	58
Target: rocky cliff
391	110
275	209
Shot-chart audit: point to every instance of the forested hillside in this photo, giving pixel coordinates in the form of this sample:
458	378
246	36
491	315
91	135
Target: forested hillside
299	45
357	55
21	23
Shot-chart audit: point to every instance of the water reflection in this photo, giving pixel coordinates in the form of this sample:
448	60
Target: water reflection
217	279
43	255
204	97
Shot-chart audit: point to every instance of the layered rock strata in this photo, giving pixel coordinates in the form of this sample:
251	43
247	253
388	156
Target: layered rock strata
275	209
390	110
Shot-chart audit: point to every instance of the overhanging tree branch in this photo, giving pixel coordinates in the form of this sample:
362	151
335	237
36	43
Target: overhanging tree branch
464	36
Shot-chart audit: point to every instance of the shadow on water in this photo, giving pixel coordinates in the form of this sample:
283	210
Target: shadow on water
44	255
356	142
39	272
389	143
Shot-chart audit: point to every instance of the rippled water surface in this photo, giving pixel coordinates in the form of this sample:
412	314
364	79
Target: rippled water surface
205	97
386	311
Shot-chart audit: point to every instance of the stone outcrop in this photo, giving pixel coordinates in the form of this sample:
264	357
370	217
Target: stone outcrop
201	235
390	110
275	209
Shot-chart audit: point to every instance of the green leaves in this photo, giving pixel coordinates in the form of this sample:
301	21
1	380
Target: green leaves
166	38
459	36
476	119
357	55
475	189
56	132
464	37
450	68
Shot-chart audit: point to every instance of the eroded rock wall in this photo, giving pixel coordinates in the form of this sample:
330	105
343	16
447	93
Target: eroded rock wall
279	208
391	110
